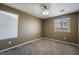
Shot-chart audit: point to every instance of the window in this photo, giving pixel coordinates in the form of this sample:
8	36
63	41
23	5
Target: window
8	25
62	25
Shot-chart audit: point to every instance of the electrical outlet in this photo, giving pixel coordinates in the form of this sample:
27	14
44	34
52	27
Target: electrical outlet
64	38
10	42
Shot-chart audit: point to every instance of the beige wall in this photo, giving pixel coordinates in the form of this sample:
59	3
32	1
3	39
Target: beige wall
78	28
29	28
48	29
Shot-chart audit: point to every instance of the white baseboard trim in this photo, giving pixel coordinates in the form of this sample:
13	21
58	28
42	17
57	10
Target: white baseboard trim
36	40
62	41
19	45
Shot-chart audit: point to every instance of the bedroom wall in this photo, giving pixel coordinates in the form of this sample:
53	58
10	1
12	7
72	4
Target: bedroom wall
29	28
78	27
48	29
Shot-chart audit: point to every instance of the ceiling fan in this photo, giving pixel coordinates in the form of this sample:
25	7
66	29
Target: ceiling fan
45	10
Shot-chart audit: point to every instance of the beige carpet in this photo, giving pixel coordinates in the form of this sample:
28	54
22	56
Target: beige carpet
44	47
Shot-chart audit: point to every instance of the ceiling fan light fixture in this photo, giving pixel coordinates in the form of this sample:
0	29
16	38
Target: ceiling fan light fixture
46	12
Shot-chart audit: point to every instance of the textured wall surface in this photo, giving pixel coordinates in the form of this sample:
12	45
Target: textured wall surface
78	28
29	28
48	28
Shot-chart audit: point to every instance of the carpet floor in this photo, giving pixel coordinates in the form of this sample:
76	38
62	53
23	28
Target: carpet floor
43	47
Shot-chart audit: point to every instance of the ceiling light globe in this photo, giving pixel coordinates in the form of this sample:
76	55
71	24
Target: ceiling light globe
45	12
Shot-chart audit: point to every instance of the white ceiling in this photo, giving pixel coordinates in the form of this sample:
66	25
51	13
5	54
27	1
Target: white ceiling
54	8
